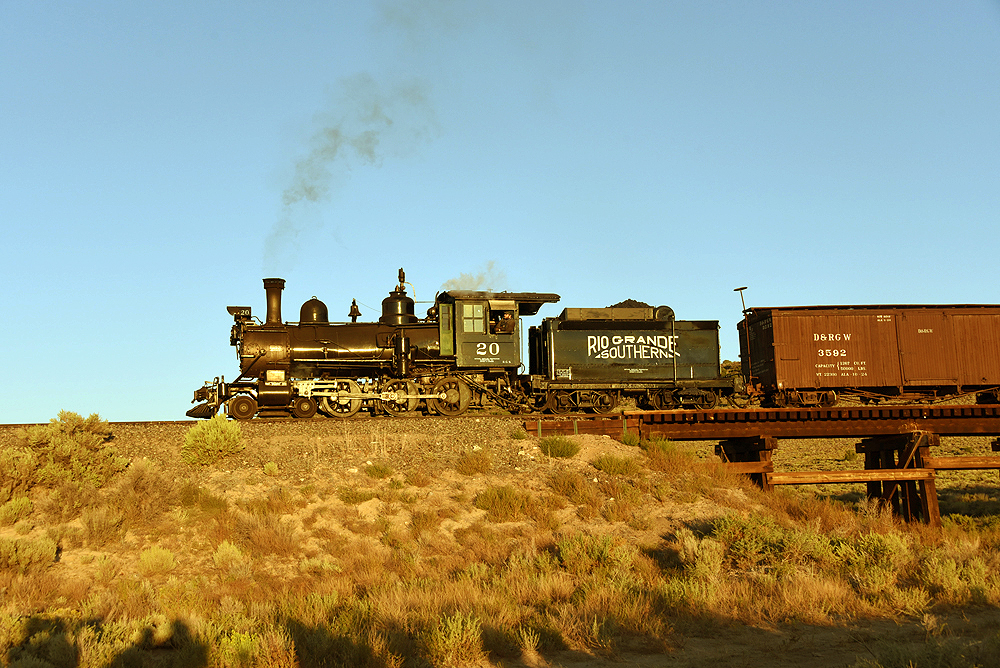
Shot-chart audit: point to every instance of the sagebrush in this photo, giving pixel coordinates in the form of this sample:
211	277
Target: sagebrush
209	441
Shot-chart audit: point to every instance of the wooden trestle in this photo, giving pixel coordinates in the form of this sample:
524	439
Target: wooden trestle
896	443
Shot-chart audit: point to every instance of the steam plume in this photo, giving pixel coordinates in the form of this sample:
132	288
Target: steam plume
366	123
490	279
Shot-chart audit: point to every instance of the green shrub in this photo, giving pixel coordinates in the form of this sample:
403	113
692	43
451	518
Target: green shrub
231	560
503	504
156	560
577	489
69	450
558	446
353	496
17	508
102	525
456	641
26	555
209	441
378	470
616	465
662	455
630	438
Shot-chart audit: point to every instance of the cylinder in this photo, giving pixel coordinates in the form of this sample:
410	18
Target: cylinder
273	288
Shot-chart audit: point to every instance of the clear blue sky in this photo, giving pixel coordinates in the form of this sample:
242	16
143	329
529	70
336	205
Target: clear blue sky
159	159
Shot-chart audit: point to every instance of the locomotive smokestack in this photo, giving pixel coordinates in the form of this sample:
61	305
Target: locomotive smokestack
273	288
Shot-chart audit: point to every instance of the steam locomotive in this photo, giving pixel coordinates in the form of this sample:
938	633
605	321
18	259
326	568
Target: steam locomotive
465	352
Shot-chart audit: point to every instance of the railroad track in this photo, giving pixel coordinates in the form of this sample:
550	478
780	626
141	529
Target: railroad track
967	420
945	420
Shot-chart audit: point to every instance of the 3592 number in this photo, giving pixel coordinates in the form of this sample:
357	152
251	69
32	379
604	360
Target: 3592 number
832	352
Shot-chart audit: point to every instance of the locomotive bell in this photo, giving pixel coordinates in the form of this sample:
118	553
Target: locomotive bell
355	311
314	311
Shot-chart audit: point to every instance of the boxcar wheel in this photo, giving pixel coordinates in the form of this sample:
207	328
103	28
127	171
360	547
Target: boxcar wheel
242	407
304	407
457	396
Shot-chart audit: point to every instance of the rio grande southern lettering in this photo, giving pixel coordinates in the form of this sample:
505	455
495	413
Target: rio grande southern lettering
632	347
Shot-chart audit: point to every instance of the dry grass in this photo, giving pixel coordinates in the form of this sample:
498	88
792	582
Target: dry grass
614	465
474	462
350	569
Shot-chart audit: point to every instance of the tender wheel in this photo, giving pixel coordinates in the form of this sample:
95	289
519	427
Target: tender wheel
560	402
708	400
342	407
603	403
242	407
402	405
457	396
304	407
663	400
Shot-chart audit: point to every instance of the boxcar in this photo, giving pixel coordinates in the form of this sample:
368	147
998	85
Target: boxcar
807	355
592	357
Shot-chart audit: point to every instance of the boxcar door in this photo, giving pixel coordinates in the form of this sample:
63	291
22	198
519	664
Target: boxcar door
926	348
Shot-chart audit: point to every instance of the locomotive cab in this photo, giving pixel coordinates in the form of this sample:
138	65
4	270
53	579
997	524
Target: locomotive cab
482	329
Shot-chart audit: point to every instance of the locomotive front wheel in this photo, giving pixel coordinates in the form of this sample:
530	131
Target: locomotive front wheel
603	403
400	406
242	407
304	407
457	396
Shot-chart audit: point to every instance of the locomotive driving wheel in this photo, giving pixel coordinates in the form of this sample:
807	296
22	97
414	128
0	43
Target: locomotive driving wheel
400	406
304	407
457	396
242	407
343	407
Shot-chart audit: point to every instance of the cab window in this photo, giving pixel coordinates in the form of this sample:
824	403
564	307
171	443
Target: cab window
473	318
